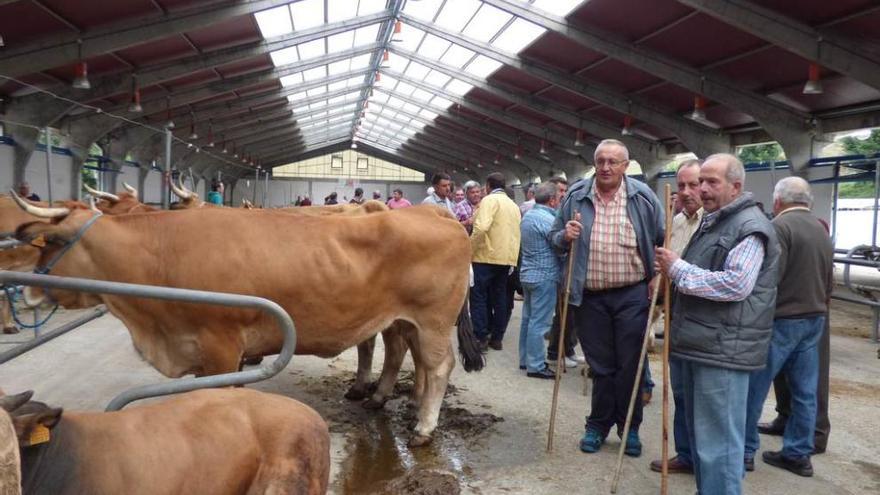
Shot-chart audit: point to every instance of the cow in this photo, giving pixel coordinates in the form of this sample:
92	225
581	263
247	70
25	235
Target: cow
10	460
338	276
217	441
19	258
124	202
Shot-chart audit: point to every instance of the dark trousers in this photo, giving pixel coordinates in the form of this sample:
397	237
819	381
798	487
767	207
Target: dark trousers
571	336
488	299
783	393
611	327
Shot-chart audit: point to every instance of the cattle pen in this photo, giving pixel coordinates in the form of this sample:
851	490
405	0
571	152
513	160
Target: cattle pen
316	201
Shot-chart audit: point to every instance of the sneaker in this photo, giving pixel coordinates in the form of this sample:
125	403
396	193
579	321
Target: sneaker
569	363
545	374
592	441
633	444
801	467
577	358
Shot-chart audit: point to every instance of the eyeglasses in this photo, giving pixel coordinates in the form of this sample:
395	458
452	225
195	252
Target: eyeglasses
610	163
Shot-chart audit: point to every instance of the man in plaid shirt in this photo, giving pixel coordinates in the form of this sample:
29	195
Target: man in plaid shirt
617	222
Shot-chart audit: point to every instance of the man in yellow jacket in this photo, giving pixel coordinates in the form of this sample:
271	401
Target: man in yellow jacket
495	244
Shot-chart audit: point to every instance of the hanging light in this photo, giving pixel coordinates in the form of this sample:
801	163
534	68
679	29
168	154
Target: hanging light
579	139
210	134
81	72
543	149
385	64
2	43
378	76
234	153
224	150
168	122
192	127
135	105
627	124
814	82
497	159
354	145
397	35
517	154
699	112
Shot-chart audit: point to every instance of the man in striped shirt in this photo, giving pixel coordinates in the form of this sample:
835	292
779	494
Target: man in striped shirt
722	316
615	222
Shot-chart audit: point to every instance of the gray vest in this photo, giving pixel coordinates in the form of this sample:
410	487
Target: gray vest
733	335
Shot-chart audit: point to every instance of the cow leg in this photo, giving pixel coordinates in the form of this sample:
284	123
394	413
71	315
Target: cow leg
437	358
6	315
359	389
395	351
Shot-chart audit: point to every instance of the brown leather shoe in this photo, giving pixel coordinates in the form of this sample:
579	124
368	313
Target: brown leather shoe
10	330
775	427
676	465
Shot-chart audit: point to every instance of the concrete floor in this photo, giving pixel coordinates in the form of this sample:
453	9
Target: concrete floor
87	367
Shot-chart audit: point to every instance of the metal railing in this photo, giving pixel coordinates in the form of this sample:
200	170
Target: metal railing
848	260
171	294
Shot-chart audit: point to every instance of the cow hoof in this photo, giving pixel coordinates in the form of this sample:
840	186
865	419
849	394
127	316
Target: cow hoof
373	404
356	394
251	361
419	440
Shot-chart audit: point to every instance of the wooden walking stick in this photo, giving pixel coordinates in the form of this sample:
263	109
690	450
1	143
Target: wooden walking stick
667	297
560	354
632	398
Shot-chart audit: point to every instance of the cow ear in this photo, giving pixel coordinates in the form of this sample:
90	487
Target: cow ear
10	403
33	421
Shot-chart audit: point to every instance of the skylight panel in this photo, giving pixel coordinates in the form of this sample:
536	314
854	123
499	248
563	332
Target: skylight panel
458	87
486	24
312	49
337	85
457	56
405	88
371	7
318	105
337	119
433	47
337	99
422	95
297	96
416	71
399	63
417	125
437	78
441	102
292	79
412	37
366	35
413	109
409	131
302	109
339	67
316	91
340	42
482	66
424	9
520	34
339	10
316	73
557	7
428	114
307	13
274	22
456	13
395	102
284	56
360	62
380	98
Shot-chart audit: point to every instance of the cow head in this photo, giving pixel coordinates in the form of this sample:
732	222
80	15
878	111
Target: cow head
118	204
28	416
188	199
65	221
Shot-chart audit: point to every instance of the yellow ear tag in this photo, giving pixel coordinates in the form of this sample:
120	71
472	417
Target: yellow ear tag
39	435
39	241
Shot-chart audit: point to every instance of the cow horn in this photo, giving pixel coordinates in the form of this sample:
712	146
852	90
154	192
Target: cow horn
10	403
130	189
182	193
101	194
39	211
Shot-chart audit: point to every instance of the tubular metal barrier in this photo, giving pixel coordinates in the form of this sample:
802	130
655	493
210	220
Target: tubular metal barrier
52	334
172	294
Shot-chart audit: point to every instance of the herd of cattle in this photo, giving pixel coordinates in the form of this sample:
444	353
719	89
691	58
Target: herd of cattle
344	273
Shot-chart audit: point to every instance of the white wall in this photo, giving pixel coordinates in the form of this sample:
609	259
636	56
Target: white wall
152	192
129	175
283	192
35	173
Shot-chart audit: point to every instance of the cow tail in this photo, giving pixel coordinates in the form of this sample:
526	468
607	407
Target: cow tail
468	345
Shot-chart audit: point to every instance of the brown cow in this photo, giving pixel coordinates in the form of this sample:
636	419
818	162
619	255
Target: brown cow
338	277
21	258
124	202
10	461
217	441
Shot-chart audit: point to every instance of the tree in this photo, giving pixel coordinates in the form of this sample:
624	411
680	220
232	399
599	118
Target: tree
761	153
855	146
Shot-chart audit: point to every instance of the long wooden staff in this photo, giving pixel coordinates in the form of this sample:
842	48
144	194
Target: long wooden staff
639	369
560	354
667	317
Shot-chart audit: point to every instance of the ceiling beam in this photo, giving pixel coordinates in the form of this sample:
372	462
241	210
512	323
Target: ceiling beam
63	49
825	47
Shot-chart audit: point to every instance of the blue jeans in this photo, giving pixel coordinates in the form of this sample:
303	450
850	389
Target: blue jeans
794	351
489	301
539	304
713	403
